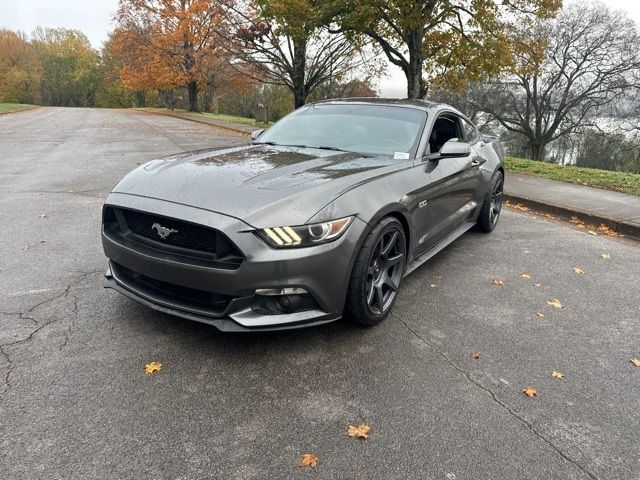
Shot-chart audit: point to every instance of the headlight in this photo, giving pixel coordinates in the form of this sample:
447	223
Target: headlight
305	235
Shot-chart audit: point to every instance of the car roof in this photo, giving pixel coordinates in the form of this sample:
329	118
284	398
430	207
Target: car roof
399	102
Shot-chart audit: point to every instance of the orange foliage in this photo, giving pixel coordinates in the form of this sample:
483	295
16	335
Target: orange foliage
171	43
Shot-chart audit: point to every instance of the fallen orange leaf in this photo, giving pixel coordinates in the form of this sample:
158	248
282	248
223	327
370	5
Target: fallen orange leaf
591	232
361	431
607	231
526	276
540	314
530	392
433	285
497	282
576	221
556	374
554	302
636	361
475	355
579	271
606	256
308	460
152	367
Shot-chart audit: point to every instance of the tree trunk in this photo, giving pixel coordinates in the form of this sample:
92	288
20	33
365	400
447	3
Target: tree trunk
299	67
192	87
416	87
537	150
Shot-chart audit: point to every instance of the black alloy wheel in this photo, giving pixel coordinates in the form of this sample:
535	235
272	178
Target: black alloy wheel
492	206
377	273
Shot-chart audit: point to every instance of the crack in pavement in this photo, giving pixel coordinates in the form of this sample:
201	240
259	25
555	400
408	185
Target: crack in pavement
25	315
73	322
495	398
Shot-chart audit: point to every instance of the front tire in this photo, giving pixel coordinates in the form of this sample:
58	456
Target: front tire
377	273
492	206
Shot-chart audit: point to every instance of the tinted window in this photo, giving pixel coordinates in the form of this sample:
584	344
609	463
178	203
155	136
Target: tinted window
376	129
444	129
470	132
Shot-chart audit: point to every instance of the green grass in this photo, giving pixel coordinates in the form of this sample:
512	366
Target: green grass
14	107
617	181
212	116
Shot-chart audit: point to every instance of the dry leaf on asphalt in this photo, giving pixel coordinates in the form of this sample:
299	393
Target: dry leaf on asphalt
540	314
24	248
556	374
43	241
308	460
361	431
579	271
576	221
44	215
555	303
475	355
526	276
636	361
537	285
607	231
433	285
591	232
521	207
606	256
152	367
530	392
497	282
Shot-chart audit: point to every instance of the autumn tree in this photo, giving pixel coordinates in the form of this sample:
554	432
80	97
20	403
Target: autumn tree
590	58
111	90
453	40
69	64
287	43
169	42
20	69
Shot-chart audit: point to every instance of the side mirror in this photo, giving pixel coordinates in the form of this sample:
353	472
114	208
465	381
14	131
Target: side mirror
454	148
256	133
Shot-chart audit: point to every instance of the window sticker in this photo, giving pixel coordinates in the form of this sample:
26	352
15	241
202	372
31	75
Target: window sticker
401	156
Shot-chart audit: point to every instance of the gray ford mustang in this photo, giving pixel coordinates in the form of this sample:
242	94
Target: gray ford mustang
320	216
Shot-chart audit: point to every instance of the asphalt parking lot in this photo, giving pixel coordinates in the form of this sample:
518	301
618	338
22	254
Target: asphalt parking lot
75	402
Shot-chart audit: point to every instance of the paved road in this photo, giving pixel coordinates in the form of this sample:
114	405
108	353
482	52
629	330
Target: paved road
75	402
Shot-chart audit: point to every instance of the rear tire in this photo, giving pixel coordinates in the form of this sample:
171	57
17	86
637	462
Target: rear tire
377	273
492	206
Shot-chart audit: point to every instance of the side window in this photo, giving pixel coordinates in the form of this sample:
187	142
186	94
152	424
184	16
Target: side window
470	132
444	129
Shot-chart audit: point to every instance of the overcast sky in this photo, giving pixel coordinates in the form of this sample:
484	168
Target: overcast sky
94	18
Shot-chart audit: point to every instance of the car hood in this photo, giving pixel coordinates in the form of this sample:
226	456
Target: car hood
262	185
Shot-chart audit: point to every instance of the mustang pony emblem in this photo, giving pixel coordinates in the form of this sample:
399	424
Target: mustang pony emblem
164	232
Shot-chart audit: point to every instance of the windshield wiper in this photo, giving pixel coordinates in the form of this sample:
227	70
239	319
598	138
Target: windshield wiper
280	144
319	147
336	149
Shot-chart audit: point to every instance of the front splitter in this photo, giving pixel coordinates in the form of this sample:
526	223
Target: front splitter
224	324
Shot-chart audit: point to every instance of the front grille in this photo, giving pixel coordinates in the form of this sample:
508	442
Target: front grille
182	239
185	235
188	298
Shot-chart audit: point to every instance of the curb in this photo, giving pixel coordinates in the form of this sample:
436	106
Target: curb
37	107
210	124
622	227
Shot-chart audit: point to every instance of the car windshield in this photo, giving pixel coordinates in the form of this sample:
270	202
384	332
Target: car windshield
373	129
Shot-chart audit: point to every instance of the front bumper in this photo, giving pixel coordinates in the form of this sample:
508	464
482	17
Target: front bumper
323	271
